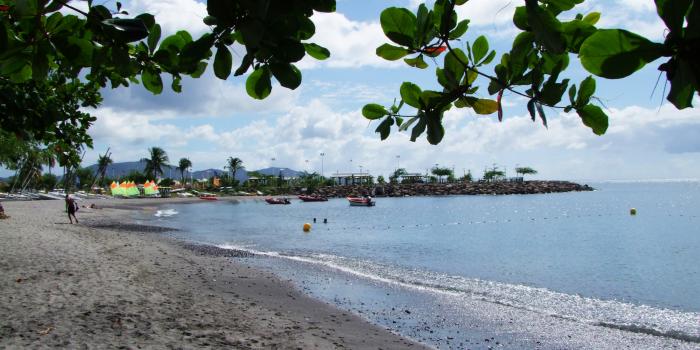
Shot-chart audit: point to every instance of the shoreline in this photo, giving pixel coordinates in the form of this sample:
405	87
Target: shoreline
110	282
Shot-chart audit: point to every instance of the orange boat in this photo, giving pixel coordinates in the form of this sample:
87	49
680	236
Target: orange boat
277	200
306	198
361	201
208	197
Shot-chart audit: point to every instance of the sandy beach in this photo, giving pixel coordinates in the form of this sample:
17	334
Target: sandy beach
106	283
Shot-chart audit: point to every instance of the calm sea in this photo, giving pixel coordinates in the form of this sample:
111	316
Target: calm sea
571	270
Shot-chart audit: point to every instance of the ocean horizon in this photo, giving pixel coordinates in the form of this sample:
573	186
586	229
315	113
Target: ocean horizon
516	271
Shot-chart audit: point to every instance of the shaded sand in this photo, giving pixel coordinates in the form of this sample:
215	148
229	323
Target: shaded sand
102	284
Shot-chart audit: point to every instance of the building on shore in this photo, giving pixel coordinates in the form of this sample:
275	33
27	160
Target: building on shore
412	178
344	179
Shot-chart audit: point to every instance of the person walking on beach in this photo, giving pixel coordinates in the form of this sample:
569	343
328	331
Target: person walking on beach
2	212
72	207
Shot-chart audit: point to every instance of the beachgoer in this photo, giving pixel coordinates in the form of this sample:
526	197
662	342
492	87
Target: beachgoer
72	207
2	212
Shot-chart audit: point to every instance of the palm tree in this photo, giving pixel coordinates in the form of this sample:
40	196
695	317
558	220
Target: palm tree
233	165
158	159
183	166
525	171
102	163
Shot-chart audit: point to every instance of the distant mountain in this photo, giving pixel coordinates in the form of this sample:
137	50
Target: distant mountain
274	171
117	170
205	174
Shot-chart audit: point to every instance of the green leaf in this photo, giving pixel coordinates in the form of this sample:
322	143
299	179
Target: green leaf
480	48
459	30
563	5
540	111
384	127
316	51
153	38
223	10
222	62
592	18
406	125
455	64
692	31
417	62
176	84
324	5
40	66
520	18
258	84
484	106
586	91
682	90
199	70
488	58
673	12
174	43
126	29
617	53
391	52
546	27
374	111
152	81
572	94
245	64
594	118
531	109
410	93
436	131
399	25
54	6
287	74
26	8
419	129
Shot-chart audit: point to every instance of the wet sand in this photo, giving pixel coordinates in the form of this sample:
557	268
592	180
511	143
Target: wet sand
108	283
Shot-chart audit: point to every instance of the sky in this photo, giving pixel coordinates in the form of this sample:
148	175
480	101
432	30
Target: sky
212	119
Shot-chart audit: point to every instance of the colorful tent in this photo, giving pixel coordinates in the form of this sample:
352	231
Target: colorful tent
150	188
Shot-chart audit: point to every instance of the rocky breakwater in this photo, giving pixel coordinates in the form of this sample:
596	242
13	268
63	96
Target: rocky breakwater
457	188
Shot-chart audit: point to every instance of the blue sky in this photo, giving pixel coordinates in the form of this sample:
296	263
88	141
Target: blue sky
212	120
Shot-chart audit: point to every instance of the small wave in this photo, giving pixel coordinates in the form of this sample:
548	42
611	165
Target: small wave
604	313
644	330
166	213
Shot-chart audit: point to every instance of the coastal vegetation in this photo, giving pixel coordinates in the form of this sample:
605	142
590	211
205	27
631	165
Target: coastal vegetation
182	166
155	162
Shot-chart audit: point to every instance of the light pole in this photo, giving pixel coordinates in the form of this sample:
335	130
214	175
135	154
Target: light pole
322	155
307	165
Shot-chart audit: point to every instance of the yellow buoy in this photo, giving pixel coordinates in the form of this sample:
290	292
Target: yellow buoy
633	211
307	227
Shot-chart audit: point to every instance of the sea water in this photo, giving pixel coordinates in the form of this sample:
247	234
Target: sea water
547	270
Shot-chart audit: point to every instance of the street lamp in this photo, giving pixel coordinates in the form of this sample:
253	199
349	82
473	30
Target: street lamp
322	155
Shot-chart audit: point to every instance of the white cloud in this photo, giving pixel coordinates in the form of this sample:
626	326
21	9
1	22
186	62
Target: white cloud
351	43
488	13
173	15
207	96
567	149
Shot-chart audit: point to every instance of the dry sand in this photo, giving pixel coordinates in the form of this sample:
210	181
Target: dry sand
99	285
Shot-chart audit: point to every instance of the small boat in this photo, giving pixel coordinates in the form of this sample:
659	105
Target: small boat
208	197
307	198
361	201
277	200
